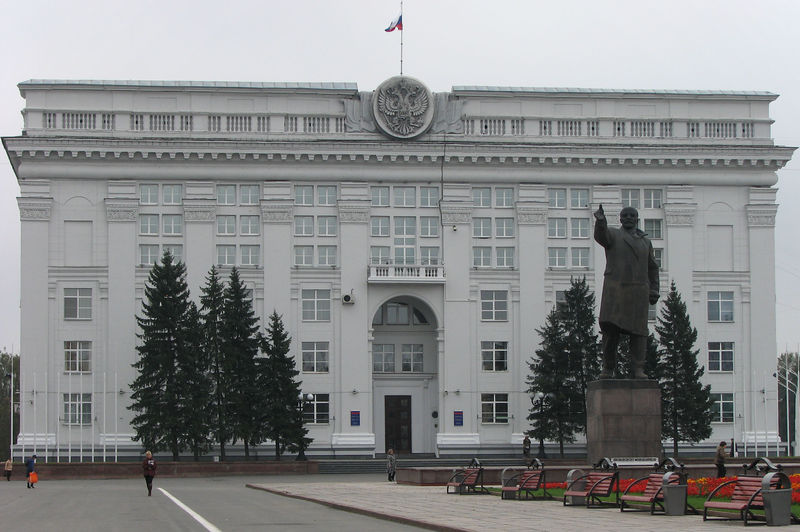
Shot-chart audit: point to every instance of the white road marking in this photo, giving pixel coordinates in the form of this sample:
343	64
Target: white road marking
196	516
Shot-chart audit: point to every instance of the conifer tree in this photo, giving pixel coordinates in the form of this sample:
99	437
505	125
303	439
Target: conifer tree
686	405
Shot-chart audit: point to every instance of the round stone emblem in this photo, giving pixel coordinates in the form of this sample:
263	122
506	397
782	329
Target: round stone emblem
403	107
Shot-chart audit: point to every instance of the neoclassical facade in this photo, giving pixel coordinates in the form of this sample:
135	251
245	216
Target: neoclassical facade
413	242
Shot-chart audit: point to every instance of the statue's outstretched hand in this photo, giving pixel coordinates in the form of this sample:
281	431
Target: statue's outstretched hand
599	214
653	299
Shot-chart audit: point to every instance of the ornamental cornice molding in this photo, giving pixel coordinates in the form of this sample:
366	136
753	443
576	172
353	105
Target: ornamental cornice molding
354	211
120	210
35	209
761	215
456	212
531	213
199	213
680	214
276	211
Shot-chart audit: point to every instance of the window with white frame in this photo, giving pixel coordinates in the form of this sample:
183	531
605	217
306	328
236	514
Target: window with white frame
579	227
176	250
505	257
172	194
411	357
226	194
630	197
720	356
226	255
494	356
580	257
658	255
379	255
148	224
481	256
504	227
173	224
327	255
720	306
429	255
405	196
148	254
481	227
396	313
428	226
652	198
326	226
315	357
77	303
652	312
653	228
557	198
326	194
579	198
226	224
303	226
148	194
557	228
304	195
557	257
251	255
405	240
503	197
379	225
77	356
249	194
77	409
481	197
304	255
494	408
494	305
250	224
317	410
316	305
723	408
380	196
428	196
561	300
383	358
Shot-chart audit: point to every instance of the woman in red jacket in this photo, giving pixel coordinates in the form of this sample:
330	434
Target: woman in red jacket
149	470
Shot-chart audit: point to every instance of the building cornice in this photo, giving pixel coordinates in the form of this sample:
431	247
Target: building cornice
34	209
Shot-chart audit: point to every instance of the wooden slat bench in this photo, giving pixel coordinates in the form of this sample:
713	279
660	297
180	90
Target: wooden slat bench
524	482
747	496
466	481
592	486
653	493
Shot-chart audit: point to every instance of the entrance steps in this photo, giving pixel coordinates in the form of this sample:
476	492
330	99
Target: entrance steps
378	465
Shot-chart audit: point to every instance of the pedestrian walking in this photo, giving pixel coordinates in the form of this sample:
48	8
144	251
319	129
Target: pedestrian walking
30	465
391	464
149	470
719	460
8	467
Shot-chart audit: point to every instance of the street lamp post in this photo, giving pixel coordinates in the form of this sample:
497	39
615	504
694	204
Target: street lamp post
301	403
11	411
538	400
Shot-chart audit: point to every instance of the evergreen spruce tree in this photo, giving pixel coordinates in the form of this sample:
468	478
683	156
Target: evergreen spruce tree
212	303
283	419
240	344
165	326
686	404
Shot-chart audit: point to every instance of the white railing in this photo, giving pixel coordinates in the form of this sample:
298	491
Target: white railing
406	273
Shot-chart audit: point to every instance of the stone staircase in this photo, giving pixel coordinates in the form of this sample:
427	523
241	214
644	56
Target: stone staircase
378	465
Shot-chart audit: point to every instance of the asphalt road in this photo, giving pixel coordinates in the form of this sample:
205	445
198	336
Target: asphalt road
219	503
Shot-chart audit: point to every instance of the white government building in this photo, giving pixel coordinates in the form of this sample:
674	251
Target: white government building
413	242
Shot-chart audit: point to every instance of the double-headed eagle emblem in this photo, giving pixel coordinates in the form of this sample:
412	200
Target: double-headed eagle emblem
403	107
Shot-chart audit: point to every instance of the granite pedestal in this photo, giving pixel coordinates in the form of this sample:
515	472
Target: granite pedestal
623	419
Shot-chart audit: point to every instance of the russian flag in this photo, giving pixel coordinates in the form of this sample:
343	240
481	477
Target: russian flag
396	24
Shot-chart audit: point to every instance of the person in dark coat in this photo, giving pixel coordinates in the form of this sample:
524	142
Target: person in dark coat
149	470
630	286
719	459
30	465
391	464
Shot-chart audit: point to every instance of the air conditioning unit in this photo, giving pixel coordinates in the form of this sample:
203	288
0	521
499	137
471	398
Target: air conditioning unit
348	299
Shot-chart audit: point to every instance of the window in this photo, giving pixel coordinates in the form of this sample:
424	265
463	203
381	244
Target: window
579	227
226	255
652	312
653	228
379	225
580	257
383	358
148	224
720	306
504	227
579	198
304	195
77	357
405	197
481	227
557	198
148	194
405	230
318	409
77	303
326	225
303	226
482	197
396	313
561	300
315	357
494	356
176	250
557	228
429	255
326	194
148	254
503	197
173	224
481	256
226	194
249	194
316	305
494	408
304	255
173	194
411	358
327	255
380	196
250	255
658	254
379	254
720	356
723	408
494	305
652	198
630	197
250	224
505	257
428	226
226	225
77	409
428	196
557	257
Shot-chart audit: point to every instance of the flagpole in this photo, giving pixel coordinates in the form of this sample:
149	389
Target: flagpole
401	39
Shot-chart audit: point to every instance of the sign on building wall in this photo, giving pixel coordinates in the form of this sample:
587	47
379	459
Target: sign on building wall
355	418
458	418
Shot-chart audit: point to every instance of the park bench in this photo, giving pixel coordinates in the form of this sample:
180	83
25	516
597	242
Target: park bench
668	472
468	480
590	487
528	481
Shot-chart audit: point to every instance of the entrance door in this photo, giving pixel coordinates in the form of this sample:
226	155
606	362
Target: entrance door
398	423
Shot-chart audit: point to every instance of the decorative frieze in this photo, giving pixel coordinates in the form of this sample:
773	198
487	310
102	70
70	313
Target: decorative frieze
531	213
354	211
199	213
121	212
34	209
456	212
761	215
276	212
680	214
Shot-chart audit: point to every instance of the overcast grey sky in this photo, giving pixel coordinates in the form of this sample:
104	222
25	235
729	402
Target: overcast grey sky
624	44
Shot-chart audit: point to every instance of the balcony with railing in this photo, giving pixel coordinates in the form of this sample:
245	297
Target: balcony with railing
406	273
